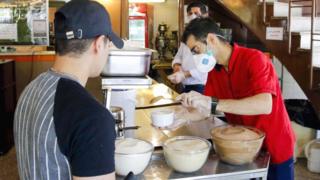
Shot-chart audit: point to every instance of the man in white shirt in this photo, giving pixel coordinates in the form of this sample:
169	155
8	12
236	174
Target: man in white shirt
183	65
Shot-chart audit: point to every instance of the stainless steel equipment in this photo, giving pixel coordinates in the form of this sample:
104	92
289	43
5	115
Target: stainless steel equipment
109	83
128	62
162	41
126	82
173	43
119	116
125	69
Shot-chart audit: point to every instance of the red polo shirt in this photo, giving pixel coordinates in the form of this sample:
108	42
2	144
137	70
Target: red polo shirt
249	73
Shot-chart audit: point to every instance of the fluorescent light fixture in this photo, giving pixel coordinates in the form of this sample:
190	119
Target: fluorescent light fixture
147	1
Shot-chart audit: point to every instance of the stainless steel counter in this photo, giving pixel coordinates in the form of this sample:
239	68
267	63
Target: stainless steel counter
213	168
157	136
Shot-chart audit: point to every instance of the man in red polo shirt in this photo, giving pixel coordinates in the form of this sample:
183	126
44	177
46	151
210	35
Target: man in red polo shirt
243	84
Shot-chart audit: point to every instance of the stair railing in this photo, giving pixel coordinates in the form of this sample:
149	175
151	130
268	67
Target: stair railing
264	18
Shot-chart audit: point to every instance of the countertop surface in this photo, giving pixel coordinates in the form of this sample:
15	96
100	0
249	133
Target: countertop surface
29	53
157	136
214	168
149	99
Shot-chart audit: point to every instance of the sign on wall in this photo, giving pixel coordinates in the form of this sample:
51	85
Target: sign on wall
9	31
274	33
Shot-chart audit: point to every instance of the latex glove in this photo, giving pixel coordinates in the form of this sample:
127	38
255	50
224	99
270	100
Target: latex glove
196	100
177	77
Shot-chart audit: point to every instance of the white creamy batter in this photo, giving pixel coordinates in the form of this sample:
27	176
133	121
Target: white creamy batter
132	155
188	145
131	146
186	155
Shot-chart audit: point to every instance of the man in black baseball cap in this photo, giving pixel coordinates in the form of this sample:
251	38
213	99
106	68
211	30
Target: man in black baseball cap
83	19
61	131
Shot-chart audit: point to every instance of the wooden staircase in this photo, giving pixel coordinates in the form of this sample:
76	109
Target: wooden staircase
298	55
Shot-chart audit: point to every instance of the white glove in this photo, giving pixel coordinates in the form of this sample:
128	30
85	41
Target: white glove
177	77
196	100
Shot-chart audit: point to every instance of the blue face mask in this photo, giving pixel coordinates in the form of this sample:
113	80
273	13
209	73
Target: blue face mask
205	62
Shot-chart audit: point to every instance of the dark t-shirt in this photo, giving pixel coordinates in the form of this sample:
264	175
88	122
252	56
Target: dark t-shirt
62	131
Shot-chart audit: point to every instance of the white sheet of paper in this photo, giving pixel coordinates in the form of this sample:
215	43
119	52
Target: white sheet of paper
9	31
39	28
274	33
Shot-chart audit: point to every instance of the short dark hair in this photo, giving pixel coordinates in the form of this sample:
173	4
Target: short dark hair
203	8
73	47
200	28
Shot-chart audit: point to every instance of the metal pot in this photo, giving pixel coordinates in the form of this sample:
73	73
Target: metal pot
119	116
128	62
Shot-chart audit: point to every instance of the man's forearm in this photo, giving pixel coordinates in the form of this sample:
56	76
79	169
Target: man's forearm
254	105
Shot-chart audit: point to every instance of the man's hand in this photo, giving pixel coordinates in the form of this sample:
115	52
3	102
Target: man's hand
196	100
177	77
177	67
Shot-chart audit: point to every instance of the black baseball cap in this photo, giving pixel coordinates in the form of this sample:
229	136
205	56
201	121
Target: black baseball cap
84	19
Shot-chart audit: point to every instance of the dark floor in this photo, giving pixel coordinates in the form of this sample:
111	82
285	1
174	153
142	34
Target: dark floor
8	168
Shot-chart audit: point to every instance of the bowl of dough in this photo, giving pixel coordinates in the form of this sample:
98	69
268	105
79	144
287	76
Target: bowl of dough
237	145
186	153
132	155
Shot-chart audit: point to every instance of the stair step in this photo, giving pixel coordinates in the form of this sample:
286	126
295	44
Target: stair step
303	50
316	58
282	9
316	77
303	24
305	38
278	22
279	17
268	2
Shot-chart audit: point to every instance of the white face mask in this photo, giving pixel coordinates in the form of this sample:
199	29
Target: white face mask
204	62
191	17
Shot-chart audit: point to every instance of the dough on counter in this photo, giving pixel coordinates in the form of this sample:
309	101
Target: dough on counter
236	133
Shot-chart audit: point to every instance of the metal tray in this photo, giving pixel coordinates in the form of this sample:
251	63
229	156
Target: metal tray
128	62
